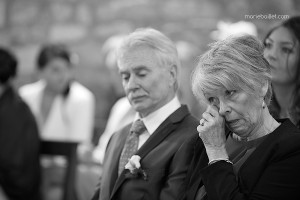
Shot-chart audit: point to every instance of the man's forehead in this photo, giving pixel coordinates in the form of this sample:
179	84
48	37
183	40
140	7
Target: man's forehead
134	68
137	52
137	61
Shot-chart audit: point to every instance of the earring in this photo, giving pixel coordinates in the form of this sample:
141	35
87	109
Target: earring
263	104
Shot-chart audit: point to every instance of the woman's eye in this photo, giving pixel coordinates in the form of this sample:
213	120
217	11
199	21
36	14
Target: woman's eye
230	92
212	100
268	45
286	50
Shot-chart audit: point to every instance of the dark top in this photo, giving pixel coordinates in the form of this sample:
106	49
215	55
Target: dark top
294	111
19	149
239	150
270	172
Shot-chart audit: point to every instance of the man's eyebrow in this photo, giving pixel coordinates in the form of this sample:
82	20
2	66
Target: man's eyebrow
135	69
140	67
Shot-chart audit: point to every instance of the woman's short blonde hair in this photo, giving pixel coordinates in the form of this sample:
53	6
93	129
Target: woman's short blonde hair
234	63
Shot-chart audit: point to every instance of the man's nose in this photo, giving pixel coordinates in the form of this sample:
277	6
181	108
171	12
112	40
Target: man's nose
132	83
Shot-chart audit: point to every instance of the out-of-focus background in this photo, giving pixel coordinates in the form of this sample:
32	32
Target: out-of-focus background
86	25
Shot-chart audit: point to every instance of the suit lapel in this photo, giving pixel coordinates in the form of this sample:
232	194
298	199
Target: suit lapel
156	138
117	144
198	162
165	129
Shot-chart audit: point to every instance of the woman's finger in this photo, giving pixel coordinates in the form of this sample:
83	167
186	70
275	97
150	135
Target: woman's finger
202	121
212	110
207	116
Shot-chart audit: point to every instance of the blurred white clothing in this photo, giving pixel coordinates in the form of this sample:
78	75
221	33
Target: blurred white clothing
120	115
69	119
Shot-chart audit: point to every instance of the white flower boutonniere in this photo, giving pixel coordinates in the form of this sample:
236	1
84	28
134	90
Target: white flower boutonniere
134	168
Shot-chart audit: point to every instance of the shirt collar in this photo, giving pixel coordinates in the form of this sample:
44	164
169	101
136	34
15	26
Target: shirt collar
155	119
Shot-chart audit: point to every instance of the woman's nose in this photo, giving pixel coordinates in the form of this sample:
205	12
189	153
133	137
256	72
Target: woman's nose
224	108
270	54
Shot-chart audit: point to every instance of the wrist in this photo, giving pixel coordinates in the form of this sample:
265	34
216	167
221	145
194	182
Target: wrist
216	153
217	160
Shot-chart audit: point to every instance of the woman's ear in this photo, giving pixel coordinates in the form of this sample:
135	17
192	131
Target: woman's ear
264	88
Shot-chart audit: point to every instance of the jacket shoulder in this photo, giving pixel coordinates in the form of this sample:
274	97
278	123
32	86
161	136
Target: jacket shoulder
189	124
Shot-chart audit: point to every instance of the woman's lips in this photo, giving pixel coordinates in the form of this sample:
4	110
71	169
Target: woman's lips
233	122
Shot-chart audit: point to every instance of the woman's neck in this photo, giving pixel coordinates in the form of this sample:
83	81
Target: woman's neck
2	88
284	95
268	125
50	92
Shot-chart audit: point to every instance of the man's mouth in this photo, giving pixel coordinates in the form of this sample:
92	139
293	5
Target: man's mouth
136	98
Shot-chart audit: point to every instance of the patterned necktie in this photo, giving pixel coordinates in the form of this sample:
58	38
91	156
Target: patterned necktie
131	144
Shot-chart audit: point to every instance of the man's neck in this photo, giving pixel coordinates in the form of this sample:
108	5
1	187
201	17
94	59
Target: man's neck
167	101
153	120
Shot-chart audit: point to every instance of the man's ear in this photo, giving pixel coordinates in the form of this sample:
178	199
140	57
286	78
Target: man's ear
173	74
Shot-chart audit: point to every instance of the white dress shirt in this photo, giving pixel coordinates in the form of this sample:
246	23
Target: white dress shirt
155	119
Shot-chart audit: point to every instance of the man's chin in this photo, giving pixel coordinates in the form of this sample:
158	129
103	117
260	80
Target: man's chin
140	108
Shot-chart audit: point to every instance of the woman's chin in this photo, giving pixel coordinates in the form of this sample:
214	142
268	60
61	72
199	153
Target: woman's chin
239	130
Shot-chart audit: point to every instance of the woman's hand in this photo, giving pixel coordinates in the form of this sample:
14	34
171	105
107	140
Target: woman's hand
212	133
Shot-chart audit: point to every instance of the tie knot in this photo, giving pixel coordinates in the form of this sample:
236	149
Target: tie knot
138	127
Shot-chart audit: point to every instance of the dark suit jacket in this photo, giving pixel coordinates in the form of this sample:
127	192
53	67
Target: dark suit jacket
19	149
165	157
271	171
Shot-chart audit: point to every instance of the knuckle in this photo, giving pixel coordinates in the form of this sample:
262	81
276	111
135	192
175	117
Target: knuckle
199	128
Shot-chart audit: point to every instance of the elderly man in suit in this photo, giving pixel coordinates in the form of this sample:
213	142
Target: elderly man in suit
149	162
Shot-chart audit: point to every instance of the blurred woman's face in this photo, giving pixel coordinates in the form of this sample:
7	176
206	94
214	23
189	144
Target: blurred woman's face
57	74
242	112
282	52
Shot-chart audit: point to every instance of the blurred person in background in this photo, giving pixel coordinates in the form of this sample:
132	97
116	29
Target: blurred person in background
121	114
187	54
226	29
19	138
282	50
258	157
64	109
